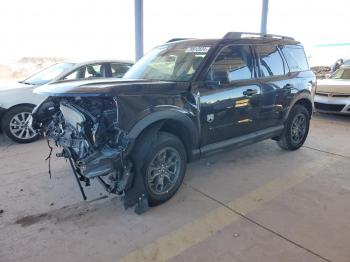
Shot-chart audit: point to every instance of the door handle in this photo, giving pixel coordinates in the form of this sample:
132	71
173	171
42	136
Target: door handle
250	92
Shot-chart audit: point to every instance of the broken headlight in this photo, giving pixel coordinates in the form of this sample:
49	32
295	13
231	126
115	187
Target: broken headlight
72	116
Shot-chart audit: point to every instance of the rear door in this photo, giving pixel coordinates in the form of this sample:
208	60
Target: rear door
229	99
276	86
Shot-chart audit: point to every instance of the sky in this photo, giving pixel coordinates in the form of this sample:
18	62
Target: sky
86	29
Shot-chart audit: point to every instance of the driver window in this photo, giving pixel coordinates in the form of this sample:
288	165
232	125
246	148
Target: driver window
232	64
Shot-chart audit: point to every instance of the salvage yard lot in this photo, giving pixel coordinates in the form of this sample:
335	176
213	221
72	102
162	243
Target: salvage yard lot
258	203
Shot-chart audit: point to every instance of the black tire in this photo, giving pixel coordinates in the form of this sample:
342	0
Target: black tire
145	157
8	119
292	137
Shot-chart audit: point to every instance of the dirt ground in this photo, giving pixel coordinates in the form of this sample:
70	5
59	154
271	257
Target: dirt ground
258	203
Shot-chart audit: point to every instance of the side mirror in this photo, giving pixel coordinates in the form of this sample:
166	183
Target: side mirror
212	84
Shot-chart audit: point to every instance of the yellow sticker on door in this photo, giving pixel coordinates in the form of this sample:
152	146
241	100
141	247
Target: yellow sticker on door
242	102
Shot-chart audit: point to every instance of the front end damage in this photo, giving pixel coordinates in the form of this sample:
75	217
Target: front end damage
87	131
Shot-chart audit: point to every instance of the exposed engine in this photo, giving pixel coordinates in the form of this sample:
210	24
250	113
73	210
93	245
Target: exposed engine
86	128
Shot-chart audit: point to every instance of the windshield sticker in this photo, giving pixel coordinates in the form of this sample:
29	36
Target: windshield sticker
197	49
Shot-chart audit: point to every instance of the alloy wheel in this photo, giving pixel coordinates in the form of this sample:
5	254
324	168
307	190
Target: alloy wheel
164	171
20	128
298	128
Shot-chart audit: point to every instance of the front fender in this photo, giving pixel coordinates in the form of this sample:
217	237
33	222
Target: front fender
13	97
167	114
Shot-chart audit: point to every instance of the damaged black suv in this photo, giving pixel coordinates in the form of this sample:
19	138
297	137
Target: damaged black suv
183	100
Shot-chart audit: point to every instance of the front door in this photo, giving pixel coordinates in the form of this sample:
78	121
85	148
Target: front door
230	96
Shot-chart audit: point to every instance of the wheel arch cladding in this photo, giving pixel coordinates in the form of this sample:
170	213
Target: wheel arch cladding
171	121
302	98
306	103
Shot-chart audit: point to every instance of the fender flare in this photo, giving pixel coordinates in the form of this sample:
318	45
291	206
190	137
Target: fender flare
297	98
169	114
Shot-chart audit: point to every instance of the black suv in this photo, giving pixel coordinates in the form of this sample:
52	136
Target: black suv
183	100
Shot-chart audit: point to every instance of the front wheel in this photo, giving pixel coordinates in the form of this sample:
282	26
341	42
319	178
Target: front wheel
163	167
15	124
296	128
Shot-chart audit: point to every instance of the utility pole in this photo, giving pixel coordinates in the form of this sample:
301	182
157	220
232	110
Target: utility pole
264	11
138	29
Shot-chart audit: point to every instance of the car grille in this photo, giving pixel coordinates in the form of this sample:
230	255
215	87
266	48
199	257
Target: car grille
340	95
329	107
332	94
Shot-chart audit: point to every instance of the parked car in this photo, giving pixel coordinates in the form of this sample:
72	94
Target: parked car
340	62
17	100
333	94
182	101
321	72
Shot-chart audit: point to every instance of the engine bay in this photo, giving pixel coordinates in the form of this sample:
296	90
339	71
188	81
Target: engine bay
86	129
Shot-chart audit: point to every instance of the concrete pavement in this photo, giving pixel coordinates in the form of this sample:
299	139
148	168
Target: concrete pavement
258	203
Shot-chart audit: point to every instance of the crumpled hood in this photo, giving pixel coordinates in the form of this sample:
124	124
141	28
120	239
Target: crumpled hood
333	86
111	87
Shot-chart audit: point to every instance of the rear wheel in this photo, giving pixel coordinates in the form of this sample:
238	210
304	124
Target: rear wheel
15	124
296	129
163	167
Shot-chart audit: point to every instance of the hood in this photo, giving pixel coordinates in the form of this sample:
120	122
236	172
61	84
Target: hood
7	85
111	87
339	86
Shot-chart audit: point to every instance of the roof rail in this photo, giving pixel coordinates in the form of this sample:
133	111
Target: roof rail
177	39
238	35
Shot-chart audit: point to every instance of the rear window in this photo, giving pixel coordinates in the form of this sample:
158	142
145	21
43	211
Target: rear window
295	57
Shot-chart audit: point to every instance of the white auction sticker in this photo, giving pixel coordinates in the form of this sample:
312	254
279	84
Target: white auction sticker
197	49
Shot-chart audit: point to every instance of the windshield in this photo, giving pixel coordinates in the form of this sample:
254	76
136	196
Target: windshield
169	63
47	74
342	73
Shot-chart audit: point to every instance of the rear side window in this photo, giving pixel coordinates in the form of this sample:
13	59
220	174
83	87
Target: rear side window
270	60
295	57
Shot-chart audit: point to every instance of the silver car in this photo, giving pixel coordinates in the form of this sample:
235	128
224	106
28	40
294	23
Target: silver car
332	95
17	100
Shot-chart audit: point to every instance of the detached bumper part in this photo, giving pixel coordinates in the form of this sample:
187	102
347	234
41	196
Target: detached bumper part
104	162
100	163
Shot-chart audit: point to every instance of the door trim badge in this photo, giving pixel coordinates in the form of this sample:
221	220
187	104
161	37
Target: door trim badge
210	118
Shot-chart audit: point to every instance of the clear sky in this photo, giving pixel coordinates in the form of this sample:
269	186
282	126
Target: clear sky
105	28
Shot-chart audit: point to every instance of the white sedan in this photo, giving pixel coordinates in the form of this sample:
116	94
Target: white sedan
17	100
333	94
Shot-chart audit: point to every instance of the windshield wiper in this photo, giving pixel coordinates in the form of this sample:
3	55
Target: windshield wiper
23	82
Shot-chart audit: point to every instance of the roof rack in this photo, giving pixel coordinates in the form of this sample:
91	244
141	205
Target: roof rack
238	35
177	39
